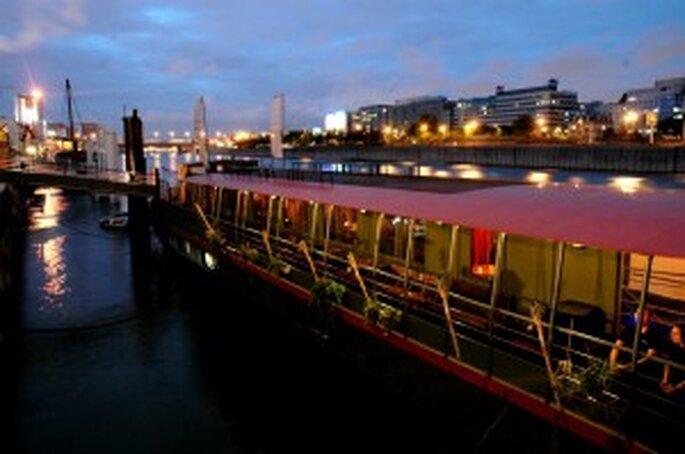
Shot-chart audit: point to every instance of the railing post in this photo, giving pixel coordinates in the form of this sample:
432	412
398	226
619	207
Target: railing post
501	240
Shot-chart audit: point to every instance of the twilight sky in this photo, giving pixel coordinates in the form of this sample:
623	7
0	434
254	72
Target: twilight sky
160	56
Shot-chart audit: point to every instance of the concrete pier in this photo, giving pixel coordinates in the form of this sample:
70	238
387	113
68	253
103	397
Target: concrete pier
608	158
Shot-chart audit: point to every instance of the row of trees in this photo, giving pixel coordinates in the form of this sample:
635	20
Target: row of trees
428	130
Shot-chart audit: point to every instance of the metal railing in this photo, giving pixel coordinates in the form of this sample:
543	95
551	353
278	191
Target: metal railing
513	345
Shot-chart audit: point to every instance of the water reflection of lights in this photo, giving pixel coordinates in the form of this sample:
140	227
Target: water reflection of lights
576	182
471	174
627	185
468	171
538	178
53	205
51	253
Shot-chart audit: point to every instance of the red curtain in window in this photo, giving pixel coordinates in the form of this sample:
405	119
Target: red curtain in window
481	247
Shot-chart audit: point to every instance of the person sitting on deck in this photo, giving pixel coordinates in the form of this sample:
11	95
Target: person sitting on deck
673	379
647	344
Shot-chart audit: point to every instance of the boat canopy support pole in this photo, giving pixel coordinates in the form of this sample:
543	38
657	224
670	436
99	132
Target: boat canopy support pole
376	248
315	221
327	235
501	241
640	312
452	259
408	253
270	213
377	239
556	290
279	216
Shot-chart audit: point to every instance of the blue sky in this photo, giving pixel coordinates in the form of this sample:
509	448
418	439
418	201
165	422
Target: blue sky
160	56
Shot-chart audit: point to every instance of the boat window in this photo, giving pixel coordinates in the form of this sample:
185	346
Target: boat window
295	222
228	201
393	239
436	248
483	252
257	210
343	230
419	245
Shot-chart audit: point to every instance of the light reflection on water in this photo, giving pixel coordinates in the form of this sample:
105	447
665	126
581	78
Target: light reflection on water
53	206
75	274
51	253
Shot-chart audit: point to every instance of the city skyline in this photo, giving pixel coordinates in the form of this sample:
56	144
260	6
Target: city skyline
160	57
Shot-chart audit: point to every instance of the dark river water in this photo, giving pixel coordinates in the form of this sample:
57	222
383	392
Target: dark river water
124	354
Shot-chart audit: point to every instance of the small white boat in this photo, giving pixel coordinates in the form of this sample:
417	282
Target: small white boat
115	222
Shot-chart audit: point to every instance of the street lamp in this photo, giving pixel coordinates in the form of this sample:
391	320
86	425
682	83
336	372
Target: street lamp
442	129
631	117
471	127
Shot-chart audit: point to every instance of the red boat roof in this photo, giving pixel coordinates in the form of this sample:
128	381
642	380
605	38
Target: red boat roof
649	222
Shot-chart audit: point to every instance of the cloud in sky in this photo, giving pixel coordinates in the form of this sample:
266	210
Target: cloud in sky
160	56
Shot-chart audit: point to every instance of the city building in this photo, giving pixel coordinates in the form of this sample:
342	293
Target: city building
336	122
370	118
28	112
471	110
56	130
549	106
642	109
406	112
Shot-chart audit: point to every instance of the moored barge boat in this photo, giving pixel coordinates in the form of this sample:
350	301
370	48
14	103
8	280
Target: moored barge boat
519	290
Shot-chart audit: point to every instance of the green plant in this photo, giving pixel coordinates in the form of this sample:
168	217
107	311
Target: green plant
388	316
249	253
371	307
327	291
384	315
278	266
593	379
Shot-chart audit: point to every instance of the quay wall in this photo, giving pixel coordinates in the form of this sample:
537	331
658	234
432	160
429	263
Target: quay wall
607	158
12	229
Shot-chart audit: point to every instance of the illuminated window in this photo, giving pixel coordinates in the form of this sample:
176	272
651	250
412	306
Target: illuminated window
482	252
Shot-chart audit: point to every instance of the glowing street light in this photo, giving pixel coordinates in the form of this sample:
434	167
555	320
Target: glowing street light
423	128
442	129
471	127
631	117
